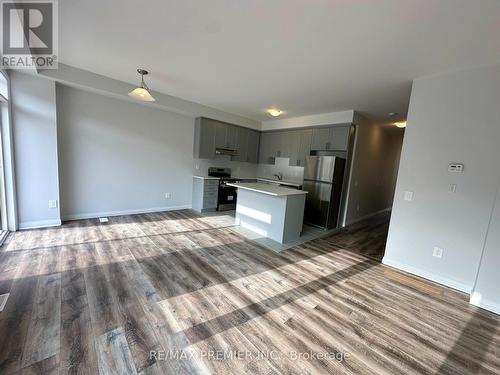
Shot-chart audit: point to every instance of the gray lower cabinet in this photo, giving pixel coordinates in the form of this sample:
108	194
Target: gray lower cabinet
205	194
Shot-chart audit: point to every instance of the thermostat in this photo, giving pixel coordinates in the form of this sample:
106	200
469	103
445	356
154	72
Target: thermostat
455	167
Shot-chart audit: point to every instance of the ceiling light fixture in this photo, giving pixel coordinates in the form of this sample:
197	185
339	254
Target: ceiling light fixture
142	92
274	112
401	124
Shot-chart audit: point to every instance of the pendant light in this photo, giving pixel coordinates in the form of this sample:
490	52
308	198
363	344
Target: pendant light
142	92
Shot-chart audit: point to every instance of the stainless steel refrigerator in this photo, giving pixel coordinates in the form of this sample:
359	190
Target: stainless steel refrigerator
323	180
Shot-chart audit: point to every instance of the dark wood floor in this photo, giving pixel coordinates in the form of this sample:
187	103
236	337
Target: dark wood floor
100	299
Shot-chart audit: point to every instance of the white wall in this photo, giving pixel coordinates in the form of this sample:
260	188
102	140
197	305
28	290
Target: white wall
452	117
332	118
35	147
486	292
374	170
120	157
82	79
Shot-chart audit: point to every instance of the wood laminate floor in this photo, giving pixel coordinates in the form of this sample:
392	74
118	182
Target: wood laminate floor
175	293
367	237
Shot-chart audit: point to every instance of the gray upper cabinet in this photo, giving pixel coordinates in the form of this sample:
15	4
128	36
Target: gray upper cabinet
253	146
232	134
334	138
339	137
241	144
304	148
320	138
263	147
290	143
221	135
204	137
212	134
269	144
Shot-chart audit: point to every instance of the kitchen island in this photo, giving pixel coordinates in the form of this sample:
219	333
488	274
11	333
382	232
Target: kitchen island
272	211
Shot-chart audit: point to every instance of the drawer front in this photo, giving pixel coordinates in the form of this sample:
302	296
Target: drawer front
210	188
211	183
210	195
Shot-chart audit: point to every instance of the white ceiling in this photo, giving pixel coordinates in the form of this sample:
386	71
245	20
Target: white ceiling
303	56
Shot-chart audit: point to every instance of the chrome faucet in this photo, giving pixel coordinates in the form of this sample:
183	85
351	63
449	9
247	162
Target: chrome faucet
278	175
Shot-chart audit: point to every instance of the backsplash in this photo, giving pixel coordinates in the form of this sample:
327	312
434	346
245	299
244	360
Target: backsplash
250	170
238	168
291	174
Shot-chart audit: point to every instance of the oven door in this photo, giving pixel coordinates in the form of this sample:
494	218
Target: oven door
227	198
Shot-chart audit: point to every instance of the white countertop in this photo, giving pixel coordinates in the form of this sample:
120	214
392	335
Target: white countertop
269	189
207	177
274	180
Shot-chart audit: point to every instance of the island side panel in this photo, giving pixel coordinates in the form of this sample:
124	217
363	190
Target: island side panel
261	213
294	217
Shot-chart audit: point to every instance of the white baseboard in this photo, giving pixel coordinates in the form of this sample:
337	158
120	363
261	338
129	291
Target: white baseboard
477	299
367	216
93	215
39	224
428	275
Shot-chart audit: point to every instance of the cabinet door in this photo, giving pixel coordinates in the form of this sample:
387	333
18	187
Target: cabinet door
320	139
241	144
266	155
275	145
253	146
339	138
290	143
204	138
232	134
220	135
304	147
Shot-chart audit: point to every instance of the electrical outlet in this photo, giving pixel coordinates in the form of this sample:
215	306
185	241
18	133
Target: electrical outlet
168	195
408	196
452	188
53	203
197	166
437	252
357	207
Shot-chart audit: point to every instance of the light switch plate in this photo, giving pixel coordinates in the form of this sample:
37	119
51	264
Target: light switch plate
437	252
408	196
